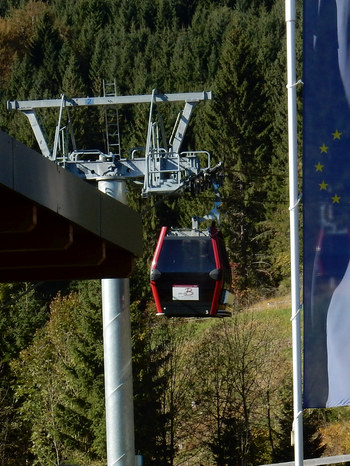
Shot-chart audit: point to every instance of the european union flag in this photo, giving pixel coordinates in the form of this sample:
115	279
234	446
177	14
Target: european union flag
326	202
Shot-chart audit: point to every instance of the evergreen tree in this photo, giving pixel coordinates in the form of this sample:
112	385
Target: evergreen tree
60	383
276	225
238	115
148	386
44	54
207	34
236	49
21	314
312	439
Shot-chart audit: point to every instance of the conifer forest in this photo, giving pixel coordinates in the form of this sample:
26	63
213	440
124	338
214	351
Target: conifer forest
206	391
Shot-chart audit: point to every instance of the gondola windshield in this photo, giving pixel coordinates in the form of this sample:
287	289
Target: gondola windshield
186	255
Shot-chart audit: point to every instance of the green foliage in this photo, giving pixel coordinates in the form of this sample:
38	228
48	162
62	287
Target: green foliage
21	314
19	319
192	402
243	379
148	385
60	381
239	116
312	441
235	50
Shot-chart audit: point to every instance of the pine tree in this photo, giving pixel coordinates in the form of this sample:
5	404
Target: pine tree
44	54
148	386
312	441
239	124
21	315
276	225
60	382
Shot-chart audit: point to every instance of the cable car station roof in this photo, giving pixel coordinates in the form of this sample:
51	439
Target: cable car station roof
55	226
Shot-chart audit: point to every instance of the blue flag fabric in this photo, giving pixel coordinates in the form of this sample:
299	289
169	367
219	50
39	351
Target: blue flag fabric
326	202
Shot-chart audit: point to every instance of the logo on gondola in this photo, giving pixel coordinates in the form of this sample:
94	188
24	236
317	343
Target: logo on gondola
185	292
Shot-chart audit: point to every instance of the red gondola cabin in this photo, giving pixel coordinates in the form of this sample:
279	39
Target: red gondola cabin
190	274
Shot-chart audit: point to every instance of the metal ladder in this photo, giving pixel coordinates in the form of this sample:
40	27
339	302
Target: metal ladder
112	121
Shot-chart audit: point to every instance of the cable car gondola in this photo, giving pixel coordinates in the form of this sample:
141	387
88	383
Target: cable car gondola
190	273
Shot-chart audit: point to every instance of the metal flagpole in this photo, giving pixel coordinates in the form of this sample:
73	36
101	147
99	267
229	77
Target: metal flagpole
117	357
294	231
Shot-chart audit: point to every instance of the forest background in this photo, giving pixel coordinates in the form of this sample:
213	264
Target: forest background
205	392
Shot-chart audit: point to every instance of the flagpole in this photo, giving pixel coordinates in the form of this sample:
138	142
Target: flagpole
294	232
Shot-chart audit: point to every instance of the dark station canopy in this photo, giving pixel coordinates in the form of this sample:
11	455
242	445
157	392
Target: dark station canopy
56	226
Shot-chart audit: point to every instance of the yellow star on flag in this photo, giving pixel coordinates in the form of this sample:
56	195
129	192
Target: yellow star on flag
336	199
336	134
323	185
319	167
324	149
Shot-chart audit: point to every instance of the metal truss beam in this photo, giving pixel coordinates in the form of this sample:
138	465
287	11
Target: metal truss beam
109	100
